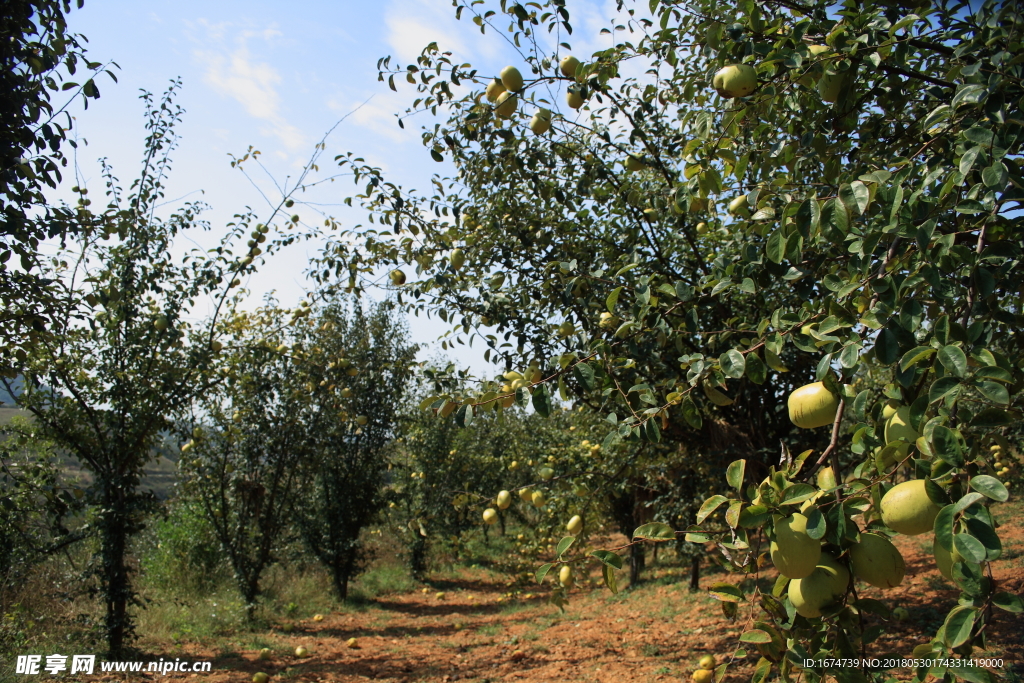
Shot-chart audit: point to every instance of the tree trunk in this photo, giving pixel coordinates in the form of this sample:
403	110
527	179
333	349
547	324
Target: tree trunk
695	573
116	590
340	583
636	563
418	558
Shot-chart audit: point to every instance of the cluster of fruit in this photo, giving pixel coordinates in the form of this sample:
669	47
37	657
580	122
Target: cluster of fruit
705	672
1003	462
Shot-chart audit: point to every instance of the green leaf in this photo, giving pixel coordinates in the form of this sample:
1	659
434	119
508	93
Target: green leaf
959	624
887	348
797	493
654	531
756	370
522	397
946	445
584	374
734	474
691	413
967	501
755	636
542	571
970	548
1008	602
954	360
971	673
709	506
775	247
541	401
464	415
994	392
612	299
564	545
608	572
726	592
651	431
608	557
816	524
914	356
991	417
733	364
944	527
942	388
991	487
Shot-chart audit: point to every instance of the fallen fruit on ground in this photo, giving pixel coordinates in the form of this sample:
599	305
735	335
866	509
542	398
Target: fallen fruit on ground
301	651
318	617
824	586
813	405
265	654
260	677
907	509
352	642
707	662
793	552
876	560
703	676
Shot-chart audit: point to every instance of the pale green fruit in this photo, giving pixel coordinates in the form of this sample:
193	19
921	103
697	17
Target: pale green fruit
735	80
897	428
541	121
346	393
739	207
216	346
608	321
526	495
352	642
490	516
793	552
301	651
506	104
504	500
565	575
812	405
944	559
494	89
573	98
545	473
707	662
702	228
397	277
537	499
260	677
825	585
568	66
907	509
831	85
633	163
511	79
877	561
651	214
566	329
900	614
265	654
889	410
575	525
161	323
457	259
703	676
362	420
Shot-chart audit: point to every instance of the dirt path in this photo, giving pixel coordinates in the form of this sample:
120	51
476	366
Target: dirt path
656	632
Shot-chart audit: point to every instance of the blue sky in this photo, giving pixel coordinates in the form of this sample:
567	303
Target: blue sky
277	76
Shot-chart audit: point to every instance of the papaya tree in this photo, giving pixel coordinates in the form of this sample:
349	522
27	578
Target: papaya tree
725	205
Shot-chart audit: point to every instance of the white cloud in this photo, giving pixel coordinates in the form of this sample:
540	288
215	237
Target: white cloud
413	24
251	83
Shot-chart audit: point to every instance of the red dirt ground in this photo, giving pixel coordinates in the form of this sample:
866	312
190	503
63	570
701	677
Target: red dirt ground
656	632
